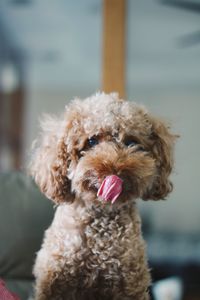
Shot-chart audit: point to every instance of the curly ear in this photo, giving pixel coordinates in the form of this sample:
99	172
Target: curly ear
162	150
50	161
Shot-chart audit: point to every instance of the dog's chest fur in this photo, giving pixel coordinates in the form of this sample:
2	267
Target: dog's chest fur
96	245
111	238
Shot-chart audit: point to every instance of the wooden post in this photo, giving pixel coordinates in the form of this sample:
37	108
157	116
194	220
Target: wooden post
113	73
16	130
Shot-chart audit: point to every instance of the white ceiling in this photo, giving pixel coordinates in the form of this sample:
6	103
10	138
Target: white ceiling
62	40
156	56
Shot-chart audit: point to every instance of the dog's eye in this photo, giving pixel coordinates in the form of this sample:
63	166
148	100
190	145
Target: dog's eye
93	141
133	143
130	143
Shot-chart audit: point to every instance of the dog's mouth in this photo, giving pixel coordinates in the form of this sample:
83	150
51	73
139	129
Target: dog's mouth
110	188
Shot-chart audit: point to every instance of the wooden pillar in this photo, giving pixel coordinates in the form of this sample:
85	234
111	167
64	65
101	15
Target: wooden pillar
1	123
114	41
16	128
11	128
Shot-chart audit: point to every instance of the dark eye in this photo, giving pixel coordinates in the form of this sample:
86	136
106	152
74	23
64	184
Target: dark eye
130	143
93	141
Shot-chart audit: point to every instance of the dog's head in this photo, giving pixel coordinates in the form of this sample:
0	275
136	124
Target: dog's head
98	138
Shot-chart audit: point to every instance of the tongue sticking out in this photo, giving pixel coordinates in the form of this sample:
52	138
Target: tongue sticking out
110	188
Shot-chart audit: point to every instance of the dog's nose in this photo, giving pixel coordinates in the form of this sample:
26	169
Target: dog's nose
110	188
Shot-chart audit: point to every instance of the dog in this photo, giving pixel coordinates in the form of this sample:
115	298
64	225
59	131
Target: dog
94	162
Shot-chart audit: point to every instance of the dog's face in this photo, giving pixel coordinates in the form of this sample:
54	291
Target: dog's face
99	137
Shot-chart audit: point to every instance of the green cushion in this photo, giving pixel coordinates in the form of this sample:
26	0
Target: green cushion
22	288
24	215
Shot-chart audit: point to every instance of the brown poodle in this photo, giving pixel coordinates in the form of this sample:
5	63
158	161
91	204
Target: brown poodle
94	162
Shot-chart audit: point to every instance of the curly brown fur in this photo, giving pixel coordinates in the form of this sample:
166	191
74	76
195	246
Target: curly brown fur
94	249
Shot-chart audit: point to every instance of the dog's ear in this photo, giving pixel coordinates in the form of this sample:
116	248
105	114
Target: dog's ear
162	150
50	160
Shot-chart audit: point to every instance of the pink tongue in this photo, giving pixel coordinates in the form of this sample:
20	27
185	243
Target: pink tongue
110	188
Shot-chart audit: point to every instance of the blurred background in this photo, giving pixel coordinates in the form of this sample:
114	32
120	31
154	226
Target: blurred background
51	52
